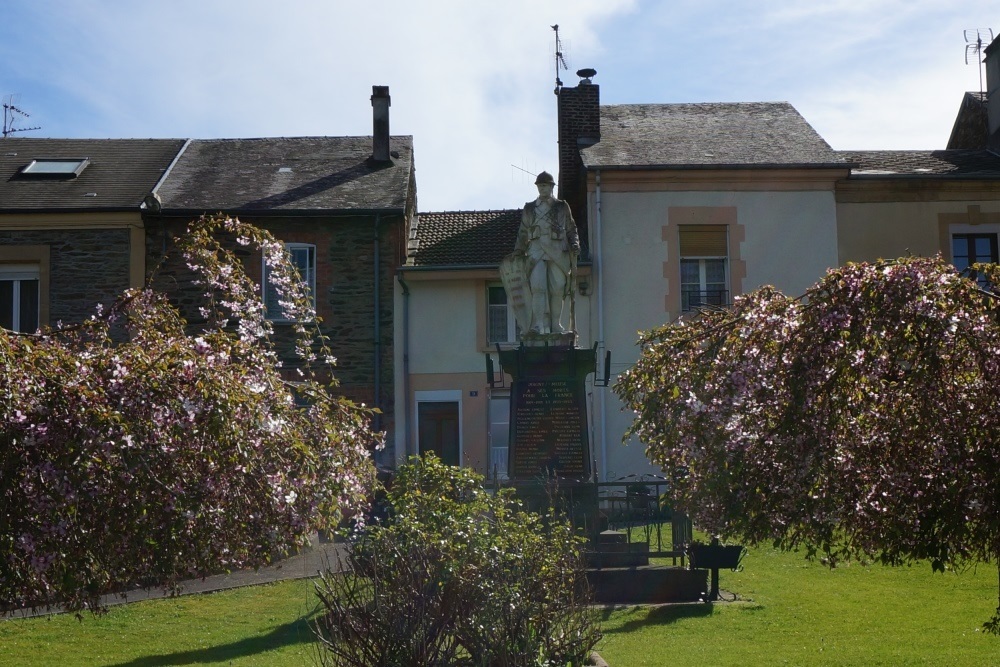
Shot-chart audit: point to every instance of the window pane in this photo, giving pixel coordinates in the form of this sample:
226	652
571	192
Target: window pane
715	271
303	258
497	326
7	304
496	296
690	272
29	306
499	436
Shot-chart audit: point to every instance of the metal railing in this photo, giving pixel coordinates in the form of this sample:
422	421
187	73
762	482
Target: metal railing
634	506
694	298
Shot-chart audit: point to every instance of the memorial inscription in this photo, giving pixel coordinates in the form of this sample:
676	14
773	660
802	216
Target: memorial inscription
550	424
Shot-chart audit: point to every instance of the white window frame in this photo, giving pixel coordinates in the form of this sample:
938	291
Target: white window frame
702	271
310	279
17	273
491	447
513	331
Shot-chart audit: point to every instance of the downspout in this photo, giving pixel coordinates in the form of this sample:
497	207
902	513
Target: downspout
407	445
599	268
378	329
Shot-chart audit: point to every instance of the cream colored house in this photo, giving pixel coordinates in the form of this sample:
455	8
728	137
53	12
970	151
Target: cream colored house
689	205
679	206
451	313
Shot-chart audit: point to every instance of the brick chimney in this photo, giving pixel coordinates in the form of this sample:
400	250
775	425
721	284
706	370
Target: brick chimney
579	118
993	93
380	123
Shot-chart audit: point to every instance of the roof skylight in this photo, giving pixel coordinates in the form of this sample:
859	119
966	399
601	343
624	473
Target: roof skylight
65	167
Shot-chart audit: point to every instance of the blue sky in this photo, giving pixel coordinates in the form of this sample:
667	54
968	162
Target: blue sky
472	81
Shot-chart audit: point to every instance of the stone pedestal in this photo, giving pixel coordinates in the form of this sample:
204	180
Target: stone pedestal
549	433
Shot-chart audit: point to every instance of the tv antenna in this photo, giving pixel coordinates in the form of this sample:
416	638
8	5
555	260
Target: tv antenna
560	61
974	45
11	114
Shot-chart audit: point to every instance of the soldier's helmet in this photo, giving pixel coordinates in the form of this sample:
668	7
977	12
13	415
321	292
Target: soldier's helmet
545	177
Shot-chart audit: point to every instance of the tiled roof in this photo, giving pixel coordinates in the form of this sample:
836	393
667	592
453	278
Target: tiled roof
713	135
953	163
463	238
287	175
120	174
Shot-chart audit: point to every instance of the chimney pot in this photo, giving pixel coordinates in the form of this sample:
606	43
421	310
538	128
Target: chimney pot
380	123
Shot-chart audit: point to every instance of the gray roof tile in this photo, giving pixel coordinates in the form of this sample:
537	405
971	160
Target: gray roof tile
121	172
711	135
287	175
953	163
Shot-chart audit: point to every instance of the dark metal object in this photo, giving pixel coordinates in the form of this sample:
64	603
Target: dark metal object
715	557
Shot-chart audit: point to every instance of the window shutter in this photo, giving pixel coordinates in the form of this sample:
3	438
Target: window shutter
703	241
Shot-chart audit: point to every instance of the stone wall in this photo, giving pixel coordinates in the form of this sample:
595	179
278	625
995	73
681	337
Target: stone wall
345	293
87	267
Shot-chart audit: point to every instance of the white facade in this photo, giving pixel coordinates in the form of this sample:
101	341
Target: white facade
781	232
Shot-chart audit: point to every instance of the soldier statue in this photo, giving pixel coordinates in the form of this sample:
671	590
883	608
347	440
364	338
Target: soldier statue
540	274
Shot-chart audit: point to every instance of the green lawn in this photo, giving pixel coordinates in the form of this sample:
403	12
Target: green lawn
793	613
798	613
261	625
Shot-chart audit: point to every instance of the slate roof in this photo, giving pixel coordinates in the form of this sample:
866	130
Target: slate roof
954	163
971	122
121	172
301	174
463	238
710	136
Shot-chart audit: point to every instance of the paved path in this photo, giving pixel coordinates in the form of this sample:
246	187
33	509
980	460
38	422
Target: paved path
301	566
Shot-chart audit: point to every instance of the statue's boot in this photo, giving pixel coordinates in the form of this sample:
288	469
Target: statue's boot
555	309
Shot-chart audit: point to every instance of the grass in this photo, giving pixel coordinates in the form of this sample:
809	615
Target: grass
261	625
791	613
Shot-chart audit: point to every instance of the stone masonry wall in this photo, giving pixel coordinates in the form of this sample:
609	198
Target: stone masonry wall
86	267
345	300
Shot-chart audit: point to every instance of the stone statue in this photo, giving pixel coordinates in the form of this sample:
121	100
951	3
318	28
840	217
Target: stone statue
540	274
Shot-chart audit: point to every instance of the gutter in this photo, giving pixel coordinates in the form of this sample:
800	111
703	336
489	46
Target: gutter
599	268
408	428
723	166
461	267
378	328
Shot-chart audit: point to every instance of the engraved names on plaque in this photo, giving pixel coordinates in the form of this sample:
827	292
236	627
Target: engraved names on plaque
548	412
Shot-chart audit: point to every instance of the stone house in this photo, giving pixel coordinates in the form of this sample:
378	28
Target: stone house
341	206
71	227
82	220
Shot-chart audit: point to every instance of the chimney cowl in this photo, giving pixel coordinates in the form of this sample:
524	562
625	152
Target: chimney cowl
380	123
586	74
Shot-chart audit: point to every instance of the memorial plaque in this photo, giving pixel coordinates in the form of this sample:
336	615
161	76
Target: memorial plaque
548	412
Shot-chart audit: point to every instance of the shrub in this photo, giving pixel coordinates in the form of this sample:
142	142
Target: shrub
458	576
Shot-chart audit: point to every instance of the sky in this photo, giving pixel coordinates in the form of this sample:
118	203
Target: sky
473	81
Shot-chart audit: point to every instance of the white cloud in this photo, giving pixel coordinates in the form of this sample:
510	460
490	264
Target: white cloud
472	81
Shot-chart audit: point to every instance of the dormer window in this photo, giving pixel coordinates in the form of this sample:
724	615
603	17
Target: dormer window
56	167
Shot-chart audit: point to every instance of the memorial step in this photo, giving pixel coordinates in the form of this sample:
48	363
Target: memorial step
650	584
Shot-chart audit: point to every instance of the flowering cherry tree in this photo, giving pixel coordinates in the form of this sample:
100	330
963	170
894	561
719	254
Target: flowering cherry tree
136	452
861	420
